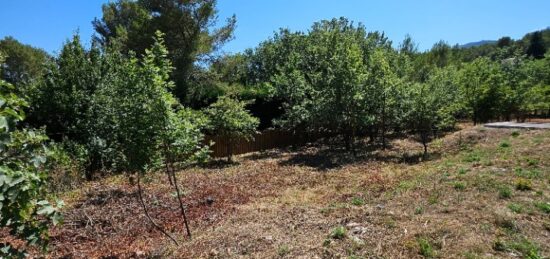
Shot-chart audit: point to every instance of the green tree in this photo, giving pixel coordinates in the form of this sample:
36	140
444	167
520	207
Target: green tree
230	119
25	209
481	92
536	48
23	64
189	26
434	104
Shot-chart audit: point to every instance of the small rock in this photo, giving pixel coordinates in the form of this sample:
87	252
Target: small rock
380	206
209	201
352	224
269	238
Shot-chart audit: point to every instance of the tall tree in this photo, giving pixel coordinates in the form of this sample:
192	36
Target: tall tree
189	26
536	48
23	63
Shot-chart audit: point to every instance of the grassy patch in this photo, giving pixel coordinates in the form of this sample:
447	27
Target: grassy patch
516	208
504	192
459	186
543	206
338	233
426	248
357	201
505	144
527	248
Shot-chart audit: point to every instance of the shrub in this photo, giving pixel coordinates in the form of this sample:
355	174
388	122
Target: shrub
504	192
523	184
24	207
460	186
338	233
515	133
425	248
504	144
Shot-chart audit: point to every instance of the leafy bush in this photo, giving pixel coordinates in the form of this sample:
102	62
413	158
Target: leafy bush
229	118
504	192
25	210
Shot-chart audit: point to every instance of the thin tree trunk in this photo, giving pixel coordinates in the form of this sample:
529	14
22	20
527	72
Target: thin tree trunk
230	150
182	207
140	196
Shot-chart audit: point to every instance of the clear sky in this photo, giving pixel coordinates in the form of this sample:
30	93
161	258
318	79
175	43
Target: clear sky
47	23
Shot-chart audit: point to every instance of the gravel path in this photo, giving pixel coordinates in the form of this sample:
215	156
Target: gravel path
511	125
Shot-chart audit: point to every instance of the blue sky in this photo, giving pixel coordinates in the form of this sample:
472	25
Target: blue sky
47	23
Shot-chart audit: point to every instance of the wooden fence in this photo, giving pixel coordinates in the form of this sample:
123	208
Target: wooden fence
267	139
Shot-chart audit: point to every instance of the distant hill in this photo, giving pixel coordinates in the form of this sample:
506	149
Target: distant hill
478	43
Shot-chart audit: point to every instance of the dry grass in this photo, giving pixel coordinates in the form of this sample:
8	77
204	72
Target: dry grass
287	204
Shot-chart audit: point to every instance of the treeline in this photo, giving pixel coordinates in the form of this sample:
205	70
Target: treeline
153	83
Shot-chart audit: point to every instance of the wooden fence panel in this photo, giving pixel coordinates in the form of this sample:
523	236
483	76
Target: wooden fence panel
267	139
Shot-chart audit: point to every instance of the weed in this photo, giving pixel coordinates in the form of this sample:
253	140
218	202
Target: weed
530	173
459	186
523	184
390	223
505	144
516	208
504	192
433	199
462	171
426	249
473	156
506	223
532	162
515	134
543	206
419	210
357	201
283	250
499	246
326	242
527	248
338	233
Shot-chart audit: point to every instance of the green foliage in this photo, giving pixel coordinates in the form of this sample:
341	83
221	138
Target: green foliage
338	233
190	27
523	184
543	206
425	248
357	201
504	192
229	117
459	186
23	64
516	208
504	144
25	211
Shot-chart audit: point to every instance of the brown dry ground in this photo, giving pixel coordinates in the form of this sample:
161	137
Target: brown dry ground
287	203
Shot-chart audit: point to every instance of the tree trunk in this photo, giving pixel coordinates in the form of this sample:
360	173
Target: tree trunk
142	202
230	150
425	143
182	207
